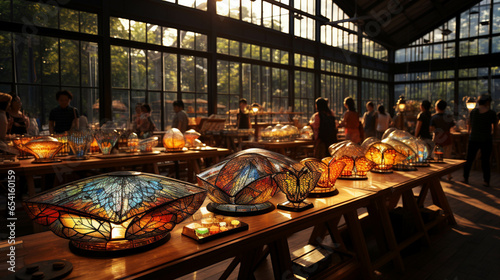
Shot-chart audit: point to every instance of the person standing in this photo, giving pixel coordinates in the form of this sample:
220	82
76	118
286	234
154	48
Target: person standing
481	130
180	120
382	121
18	121
243	115
5	100
440	126
64	117
369	120
146	125
324	127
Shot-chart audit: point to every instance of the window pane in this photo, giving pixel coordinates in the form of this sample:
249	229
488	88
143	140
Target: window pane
170	71
137	31
154	70
187	73
69	20
90	64
119	28
154	34
119	67
138	68
70	61
50	60
5	57
88	23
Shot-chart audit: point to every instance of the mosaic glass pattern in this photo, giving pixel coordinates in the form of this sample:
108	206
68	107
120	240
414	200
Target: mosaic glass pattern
147	145
106	139
133	142
173	140
79	142
116	211
44	148
353	155
384	155
19	143
297	185
330	169
416	144
245	178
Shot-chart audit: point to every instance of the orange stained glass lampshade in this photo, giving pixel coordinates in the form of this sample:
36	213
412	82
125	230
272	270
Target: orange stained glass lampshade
418	145
63	138
405	150
44	149
133	142
173	140
353	155
94	147
116	211
19	143
384	156
296	185
106	139
242	184
147	145
330	169
191	135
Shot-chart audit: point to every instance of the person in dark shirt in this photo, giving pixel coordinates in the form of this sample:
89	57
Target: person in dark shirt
441	124
64	117
423	124
369	119
481	130
324	127
243	115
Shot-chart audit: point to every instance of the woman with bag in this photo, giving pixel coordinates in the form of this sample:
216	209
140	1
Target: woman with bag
324	126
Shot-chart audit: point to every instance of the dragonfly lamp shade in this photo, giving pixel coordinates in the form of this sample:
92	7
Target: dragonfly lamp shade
297	185
330	169
79	142
44	149
242	184
356	164
116	211
384	156
173	140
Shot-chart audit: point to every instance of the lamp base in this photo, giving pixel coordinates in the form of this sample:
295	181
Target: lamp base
381	171
420	164
237	210
48	160
353	177
118	247
323	192
404	167
295	207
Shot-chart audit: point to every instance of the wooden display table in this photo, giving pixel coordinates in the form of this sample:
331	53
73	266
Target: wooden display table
182	255
279	147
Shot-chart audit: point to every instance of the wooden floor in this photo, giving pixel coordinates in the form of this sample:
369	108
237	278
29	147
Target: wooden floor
470	250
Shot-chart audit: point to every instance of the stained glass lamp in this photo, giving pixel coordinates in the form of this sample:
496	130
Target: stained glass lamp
147	145
405	150
266	133
173	140
190	136
44	149
388	131
330	169
384	156
368	141
353	155
79	142
423	153
63	138
133	142
19	143
116	211
106	139
306	133
296	186
242	184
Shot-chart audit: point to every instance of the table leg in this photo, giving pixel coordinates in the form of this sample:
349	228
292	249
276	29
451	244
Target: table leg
439	199
359	243
410	203
280	257
31	185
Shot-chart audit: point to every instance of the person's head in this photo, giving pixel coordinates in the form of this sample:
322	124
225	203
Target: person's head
178	106
484	100
15	103
5	101
425	106
381	109
138	109
349	104
63	97
322	105
369	106
441	105
243	104
145	108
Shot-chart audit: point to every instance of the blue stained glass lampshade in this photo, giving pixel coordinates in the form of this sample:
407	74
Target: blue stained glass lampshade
79	142
242	184
116	211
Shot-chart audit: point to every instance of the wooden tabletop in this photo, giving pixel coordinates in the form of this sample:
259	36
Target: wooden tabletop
182	255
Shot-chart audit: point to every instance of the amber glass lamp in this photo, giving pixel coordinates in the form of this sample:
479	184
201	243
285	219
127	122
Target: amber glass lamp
79	142
405	150
242	184
44	149
330	169
173	140
133	142
353	155
384	156
116	211
296	185
20	142
191	136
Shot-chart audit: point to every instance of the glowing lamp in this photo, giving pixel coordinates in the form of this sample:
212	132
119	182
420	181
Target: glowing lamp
20	142
439	153
106	139
330	169
296	186
255	108
63	138
306	133
147	145
173	140
79	142
471	103
94	147
44	149
405	150
266	133
242	184
190	136
401	103
384	156
133	142
116	211
353	155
